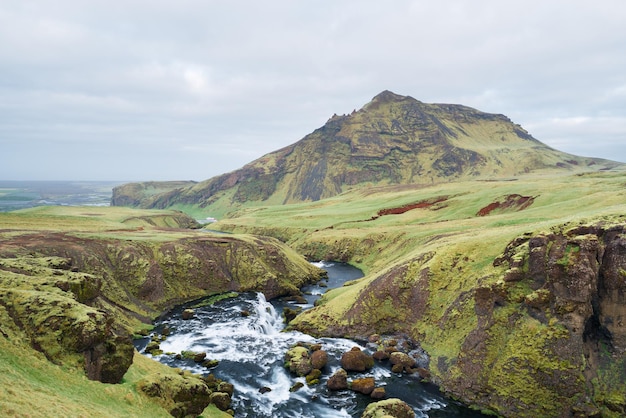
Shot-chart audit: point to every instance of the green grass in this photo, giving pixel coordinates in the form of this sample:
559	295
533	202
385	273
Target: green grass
31	386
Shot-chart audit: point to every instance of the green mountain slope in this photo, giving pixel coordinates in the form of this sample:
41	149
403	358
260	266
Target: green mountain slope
392	140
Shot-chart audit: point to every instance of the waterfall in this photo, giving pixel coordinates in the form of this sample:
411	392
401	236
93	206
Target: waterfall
245	334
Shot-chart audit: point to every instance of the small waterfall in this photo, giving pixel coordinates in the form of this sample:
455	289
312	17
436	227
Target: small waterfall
266	321
245	334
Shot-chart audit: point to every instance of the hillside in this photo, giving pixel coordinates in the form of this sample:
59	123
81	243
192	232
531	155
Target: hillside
514	288
77	282
391	140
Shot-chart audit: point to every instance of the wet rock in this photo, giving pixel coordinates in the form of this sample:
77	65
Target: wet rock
319	358
188	314
380	355
226	388
401	362
298	360
289	314
199	357
296	387
210	364
364	385
313	378
423	373
221	400
356	360
265	389
153	348
397	368
338	381
378	393
393	407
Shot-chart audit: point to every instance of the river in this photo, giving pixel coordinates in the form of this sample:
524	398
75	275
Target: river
250	349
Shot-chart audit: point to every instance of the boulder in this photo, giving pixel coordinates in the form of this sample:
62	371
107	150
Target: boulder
319	358
393	407
338	381
378	393
313	378
402	360
364	385
356	360
298	360
188	314
181	395
221	400
226	387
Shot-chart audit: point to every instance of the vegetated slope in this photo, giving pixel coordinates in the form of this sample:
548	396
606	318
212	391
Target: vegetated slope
76	282
514	288
392	140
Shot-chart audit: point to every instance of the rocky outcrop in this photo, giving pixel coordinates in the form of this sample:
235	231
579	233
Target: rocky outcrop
141	279
58	323
562	297
338	380
77	298
540	332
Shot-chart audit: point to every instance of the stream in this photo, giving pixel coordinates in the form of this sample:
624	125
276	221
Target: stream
250	349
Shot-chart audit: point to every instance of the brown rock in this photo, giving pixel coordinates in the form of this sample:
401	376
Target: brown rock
378	393
403	360
319	358
221	400
338	381
356	360
188	314
364	385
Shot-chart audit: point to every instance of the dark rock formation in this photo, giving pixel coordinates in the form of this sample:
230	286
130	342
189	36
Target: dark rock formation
566	331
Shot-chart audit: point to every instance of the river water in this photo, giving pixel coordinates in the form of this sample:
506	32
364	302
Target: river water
250	349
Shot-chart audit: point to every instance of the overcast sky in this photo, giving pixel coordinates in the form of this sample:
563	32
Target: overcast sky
184	90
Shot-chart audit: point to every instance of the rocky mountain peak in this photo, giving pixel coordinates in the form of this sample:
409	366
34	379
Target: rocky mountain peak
393	139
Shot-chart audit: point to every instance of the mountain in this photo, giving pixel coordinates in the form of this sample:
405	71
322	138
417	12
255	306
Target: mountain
393	139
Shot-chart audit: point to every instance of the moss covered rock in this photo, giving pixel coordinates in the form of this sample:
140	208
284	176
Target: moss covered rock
393	407
298	360
356	360
182	395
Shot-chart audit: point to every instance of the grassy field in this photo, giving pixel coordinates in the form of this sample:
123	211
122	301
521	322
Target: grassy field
354	216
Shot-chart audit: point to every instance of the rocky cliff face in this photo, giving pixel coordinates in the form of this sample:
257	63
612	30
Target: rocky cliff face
544	335
392	140
76	297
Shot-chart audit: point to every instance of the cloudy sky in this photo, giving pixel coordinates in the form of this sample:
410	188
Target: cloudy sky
184	90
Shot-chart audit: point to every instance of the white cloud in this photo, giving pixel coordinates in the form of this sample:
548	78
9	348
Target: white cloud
246	78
